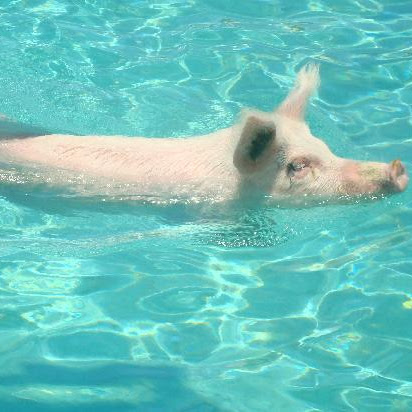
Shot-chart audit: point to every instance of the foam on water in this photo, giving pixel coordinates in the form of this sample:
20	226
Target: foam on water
109	305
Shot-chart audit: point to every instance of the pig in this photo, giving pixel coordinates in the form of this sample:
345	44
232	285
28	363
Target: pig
266	156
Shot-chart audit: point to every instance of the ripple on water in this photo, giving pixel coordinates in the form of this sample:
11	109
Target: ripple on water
88	345
128	307
178	301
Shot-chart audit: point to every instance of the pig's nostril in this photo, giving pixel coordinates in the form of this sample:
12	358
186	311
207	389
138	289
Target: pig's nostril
397	168
398	175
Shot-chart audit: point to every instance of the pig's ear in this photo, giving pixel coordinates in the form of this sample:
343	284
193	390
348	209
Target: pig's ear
307	82
254	148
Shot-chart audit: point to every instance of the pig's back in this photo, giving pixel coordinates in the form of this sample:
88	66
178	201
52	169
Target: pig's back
121	158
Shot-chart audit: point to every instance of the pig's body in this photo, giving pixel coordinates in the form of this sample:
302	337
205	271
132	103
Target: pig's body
266	155
178	167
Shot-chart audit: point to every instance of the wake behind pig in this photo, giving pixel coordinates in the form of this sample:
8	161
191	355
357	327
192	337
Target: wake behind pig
267	156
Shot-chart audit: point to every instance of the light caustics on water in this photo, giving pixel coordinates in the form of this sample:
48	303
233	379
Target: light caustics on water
112	304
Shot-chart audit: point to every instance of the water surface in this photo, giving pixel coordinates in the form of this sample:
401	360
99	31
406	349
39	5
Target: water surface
120	306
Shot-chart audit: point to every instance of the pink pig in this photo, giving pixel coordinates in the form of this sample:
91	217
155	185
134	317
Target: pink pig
265	156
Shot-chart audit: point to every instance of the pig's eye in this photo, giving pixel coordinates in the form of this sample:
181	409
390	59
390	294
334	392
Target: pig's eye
297	167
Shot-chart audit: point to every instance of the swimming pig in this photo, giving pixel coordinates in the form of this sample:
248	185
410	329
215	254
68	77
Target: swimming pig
264	156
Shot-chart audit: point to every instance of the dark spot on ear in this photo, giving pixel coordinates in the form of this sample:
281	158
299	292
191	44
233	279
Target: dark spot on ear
253	151
263	137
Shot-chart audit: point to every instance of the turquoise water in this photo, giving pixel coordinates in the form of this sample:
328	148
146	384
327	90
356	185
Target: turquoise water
115	306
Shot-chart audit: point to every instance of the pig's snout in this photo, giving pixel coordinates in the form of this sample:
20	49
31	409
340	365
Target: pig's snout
372	178
398	176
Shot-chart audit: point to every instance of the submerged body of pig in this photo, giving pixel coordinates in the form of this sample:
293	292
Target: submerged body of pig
266	155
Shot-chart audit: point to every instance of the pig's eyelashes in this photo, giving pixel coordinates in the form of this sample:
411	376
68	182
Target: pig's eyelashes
297	167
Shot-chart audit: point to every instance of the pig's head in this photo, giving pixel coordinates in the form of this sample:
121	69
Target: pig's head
277	155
